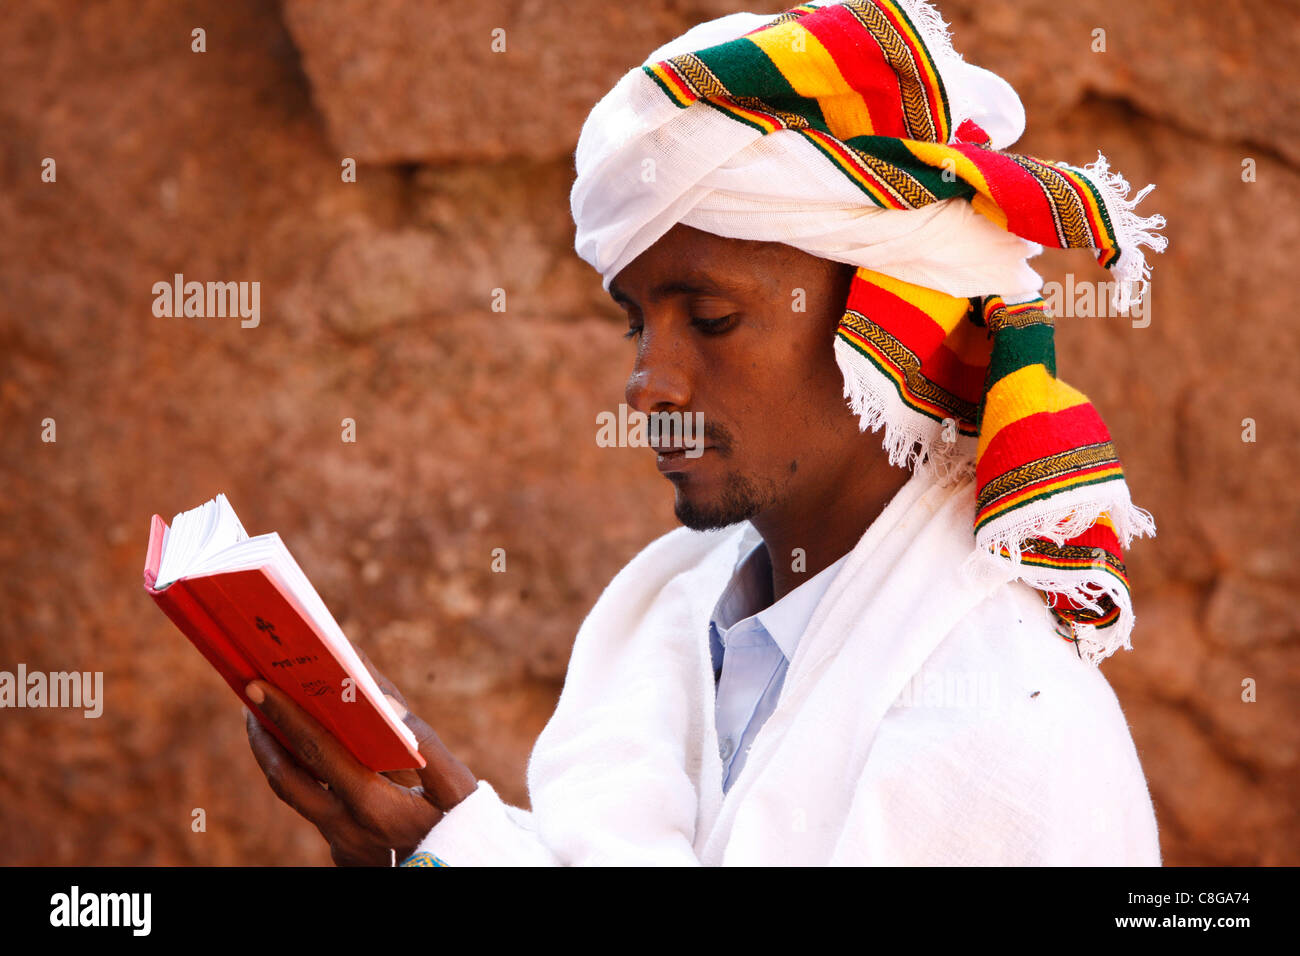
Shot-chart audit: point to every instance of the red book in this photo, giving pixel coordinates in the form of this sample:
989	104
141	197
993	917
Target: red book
250	610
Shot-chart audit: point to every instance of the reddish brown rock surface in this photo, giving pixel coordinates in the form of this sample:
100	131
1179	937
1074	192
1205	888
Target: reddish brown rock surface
376	306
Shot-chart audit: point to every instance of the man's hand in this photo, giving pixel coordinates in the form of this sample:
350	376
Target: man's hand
363	815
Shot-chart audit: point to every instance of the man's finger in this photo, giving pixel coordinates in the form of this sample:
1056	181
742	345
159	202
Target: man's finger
384	683
319	751
290	782
403	778
446	780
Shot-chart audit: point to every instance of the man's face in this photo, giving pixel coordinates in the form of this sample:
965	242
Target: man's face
742	332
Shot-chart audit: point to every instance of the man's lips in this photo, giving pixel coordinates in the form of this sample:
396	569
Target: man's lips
674	458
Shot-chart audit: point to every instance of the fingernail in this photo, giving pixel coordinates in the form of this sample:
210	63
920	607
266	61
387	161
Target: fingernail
254	693
397	706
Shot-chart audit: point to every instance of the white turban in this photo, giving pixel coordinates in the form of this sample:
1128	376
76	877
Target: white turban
644	165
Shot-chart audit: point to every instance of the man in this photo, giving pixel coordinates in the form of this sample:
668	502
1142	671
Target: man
835	661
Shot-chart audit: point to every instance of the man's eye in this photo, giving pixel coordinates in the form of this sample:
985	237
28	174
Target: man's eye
632	332
715	326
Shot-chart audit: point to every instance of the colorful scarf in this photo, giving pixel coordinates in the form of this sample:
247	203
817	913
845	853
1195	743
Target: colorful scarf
856	91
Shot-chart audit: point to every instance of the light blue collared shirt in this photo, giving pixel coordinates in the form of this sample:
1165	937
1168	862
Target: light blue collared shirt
752	642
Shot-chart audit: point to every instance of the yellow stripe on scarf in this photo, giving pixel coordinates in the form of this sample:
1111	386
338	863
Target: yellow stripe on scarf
946	311
811	71
1026	391
934	154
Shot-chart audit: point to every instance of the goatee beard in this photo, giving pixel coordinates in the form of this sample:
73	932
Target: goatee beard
740	501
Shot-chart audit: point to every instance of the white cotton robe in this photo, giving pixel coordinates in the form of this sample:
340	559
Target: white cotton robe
926	719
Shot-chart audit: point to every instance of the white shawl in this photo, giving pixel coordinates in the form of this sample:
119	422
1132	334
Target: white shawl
926	719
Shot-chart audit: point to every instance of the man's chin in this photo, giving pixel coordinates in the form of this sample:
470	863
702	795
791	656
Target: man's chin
737	503
698	520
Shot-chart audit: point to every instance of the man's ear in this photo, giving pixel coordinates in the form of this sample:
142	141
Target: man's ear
844	281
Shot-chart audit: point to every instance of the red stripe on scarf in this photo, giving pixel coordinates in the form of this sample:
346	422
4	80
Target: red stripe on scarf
1039	436
953	375
1099	536
912	326
1018	194
863	66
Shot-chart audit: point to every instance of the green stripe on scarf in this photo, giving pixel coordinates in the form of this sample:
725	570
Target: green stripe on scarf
894	152
1015	349
746	71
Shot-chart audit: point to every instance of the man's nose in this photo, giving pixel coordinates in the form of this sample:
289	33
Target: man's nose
660	380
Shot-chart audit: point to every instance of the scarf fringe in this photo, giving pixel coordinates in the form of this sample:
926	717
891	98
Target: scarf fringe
1069	515
1094	643
933	30
1131	271
998	549
911	440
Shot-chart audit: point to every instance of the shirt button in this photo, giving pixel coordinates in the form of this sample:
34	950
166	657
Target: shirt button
726	748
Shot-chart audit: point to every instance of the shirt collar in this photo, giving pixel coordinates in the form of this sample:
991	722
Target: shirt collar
750	587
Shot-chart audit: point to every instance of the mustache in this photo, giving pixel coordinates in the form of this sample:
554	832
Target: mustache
718	436
713	433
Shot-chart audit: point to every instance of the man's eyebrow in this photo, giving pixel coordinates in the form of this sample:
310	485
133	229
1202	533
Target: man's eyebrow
696	285
618	296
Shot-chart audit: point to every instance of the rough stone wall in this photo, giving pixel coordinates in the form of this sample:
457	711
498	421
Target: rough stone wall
376	306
